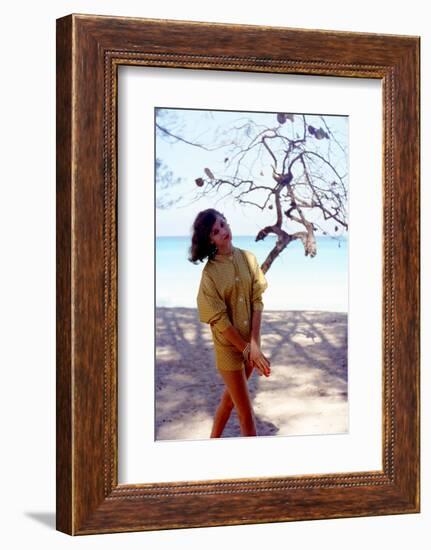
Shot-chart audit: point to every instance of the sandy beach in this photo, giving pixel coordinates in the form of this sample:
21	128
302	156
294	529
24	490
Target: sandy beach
305	394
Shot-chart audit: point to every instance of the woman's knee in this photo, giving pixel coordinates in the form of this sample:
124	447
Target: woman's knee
236	390
226	404
226	399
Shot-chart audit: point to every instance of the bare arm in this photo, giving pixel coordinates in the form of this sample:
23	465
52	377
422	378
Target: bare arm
255	326
235	338
256	356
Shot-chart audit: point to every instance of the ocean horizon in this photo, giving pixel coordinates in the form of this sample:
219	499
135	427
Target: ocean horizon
295	281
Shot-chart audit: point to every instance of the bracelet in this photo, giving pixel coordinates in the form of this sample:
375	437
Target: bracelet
246	351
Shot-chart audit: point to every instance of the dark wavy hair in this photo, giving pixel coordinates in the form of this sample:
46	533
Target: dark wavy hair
201	246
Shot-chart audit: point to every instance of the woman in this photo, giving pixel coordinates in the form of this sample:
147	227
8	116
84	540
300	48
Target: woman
230	301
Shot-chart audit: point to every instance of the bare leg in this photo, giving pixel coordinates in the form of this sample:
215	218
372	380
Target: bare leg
222	414
236	394
225	408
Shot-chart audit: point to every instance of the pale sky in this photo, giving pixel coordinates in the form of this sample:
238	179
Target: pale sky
223	127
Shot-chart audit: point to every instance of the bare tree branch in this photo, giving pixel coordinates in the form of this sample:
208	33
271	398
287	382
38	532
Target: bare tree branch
301	183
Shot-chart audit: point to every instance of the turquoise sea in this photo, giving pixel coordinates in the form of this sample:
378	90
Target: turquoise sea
295	282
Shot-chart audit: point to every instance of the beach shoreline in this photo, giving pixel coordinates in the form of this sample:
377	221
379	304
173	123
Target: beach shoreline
306	393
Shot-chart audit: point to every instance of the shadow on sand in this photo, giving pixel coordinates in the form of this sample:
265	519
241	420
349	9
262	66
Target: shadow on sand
305	394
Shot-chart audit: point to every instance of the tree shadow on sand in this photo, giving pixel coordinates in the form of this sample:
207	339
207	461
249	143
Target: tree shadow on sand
305	394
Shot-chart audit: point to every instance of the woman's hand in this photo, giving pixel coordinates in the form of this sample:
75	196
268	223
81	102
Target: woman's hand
258	360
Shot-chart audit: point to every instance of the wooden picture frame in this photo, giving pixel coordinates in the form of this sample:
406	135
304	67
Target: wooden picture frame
89	51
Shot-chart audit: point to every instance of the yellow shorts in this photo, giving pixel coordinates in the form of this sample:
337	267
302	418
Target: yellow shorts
229	359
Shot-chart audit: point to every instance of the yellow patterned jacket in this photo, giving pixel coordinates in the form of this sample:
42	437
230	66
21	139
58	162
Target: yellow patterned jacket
230	290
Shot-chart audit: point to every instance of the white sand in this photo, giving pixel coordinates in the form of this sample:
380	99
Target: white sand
305	394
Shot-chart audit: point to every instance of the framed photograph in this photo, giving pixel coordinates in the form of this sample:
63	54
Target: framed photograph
237	274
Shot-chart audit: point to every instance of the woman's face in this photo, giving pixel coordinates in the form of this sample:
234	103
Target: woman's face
220	233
